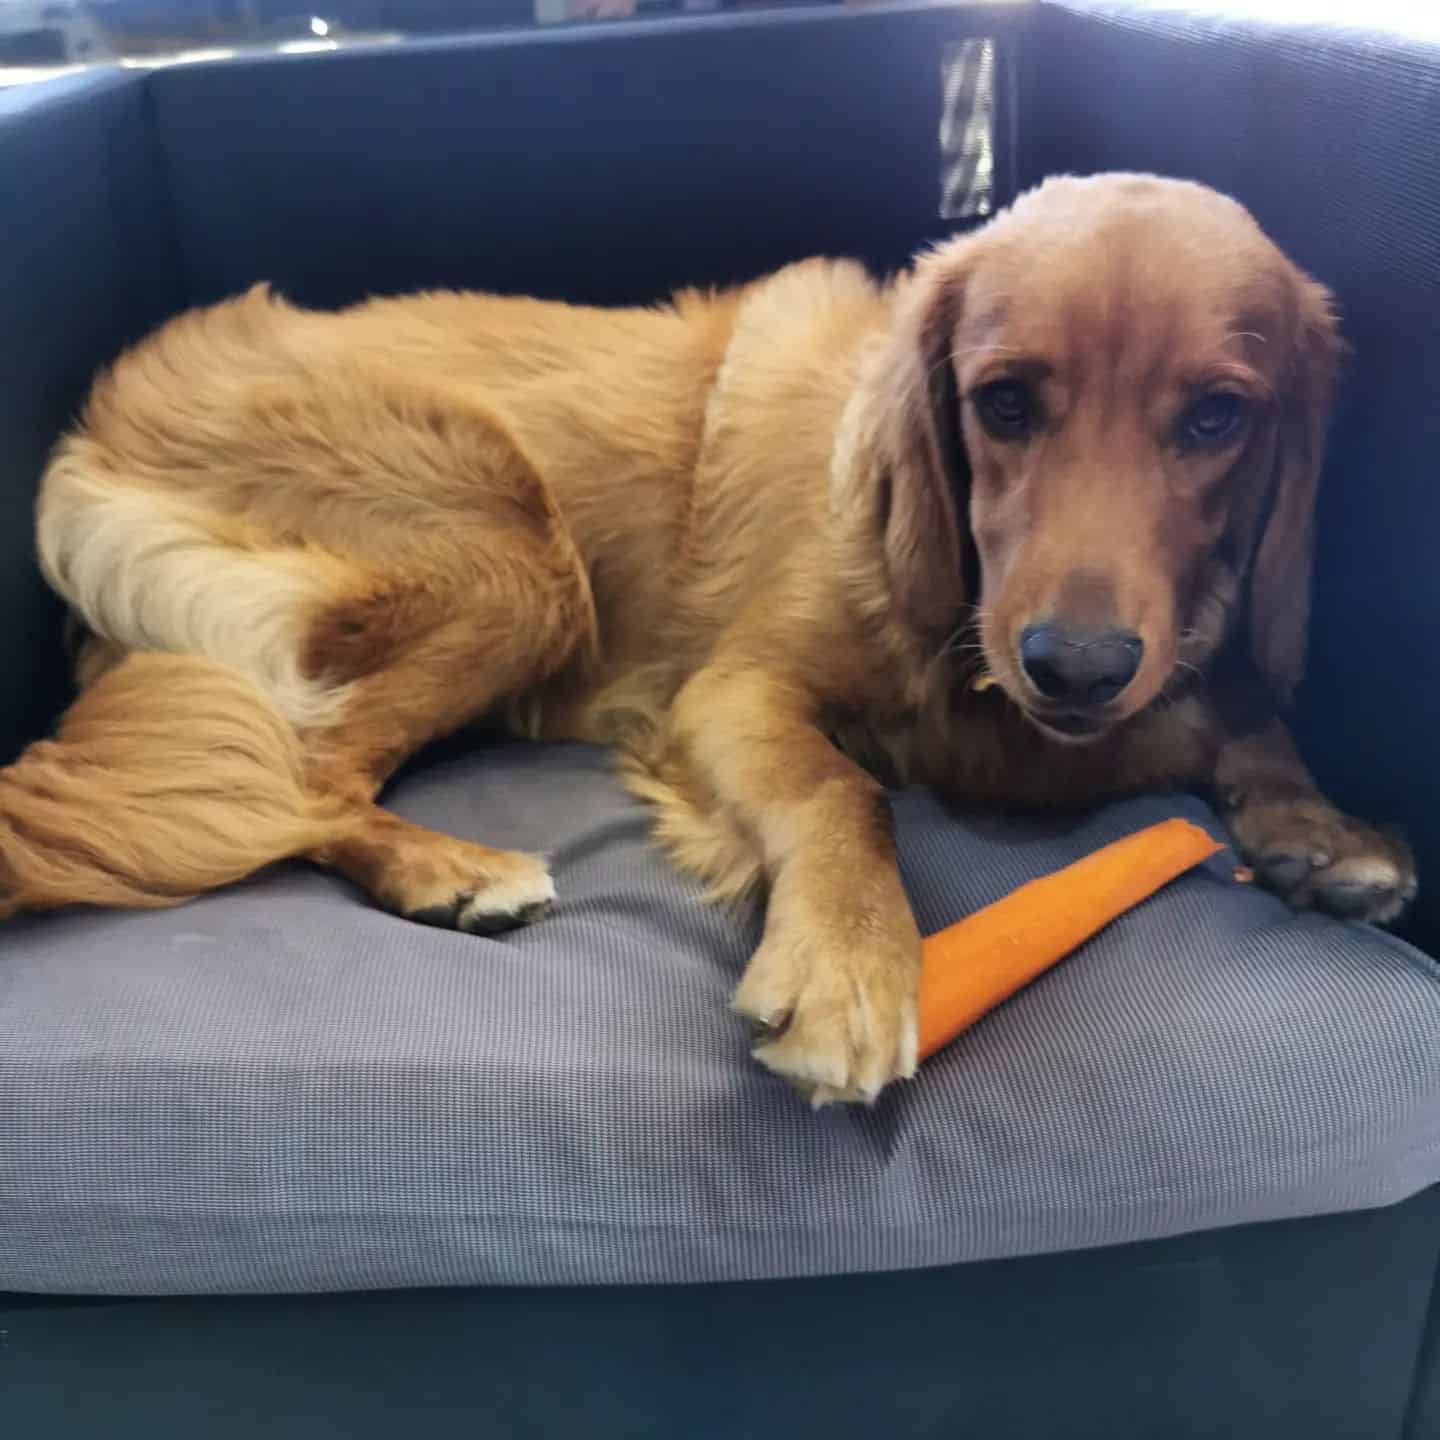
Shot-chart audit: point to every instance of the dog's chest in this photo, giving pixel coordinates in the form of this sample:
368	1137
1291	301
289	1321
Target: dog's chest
984	754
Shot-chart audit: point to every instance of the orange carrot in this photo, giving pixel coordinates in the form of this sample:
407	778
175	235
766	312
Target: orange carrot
971	966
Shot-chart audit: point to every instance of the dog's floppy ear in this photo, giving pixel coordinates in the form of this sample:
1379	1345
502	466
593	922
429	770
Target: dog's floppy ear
1279	579
921	450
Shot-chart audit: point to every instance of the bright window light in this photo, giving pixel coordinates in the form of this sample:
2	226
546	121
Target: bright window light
1407	17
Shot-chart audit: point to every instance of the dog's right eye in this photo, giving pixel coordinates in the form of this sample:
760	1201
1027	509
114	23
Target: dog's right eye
1006	408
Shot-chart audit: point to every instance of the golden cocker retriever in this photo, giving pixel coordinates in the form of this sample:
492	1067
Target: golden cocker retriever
763	541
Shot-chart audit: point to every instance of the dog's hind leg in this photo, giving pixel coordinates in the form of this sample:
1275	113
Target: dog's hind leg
461	623
491	647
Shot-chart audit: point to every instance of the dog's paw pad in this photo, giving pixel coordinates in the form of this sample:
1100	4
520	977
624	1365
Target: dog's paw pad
1367	887
1286	870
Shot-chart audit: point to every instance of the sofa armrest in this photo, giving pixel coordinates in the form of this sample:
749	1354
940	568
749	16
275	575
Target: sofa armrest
88	263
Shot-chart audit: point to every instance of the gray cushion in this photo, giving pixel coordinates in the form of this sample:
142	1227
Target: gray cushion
282	1089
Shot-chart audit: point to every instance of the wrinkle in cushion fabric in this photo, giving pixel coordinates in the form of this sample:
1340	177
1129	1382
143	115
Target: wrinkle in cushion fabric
279	1089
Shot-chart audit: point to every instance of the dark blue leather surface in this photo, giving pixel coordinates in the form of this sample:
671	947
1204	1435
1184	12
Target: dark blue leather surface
1330	138
606	164
87	264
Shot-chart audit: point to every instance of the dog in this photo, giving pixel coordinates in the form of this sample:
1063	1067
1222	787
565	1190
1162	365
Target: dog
1030	524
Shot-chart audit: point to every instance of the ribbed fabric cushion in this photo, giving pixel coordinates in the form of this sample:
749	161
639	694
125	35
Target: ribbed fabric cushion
282	1089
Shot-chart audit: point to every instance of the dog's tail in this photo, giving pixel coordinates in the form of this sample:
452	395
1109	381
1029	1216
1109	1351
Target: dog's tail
169	776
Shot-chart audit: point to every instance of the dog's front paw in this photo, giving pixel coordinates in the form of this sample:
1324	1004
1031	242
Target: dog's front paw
838	1015
1311	855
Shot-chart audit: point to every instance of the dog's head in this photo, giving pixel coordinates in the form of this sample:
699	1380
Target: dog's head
1102	422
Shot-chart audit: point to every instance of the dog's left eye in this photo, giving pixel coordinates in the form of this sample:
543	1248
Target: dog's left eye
1215	419
1006	408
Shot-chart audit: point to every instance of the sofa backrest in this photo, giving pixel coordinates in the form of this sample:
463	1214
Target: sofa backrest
605	164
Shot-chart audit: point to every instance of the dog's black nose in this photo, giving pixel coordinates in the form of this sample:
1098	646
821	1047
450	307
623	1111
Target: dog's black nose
1079	667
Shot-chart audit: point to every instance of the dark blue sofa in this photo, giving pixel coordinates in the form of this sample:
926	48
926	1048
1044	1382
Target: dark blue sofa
607	166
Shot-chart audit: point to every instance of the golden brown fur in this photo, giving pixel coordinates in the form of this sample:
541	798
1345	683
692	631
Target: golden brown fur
740	537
